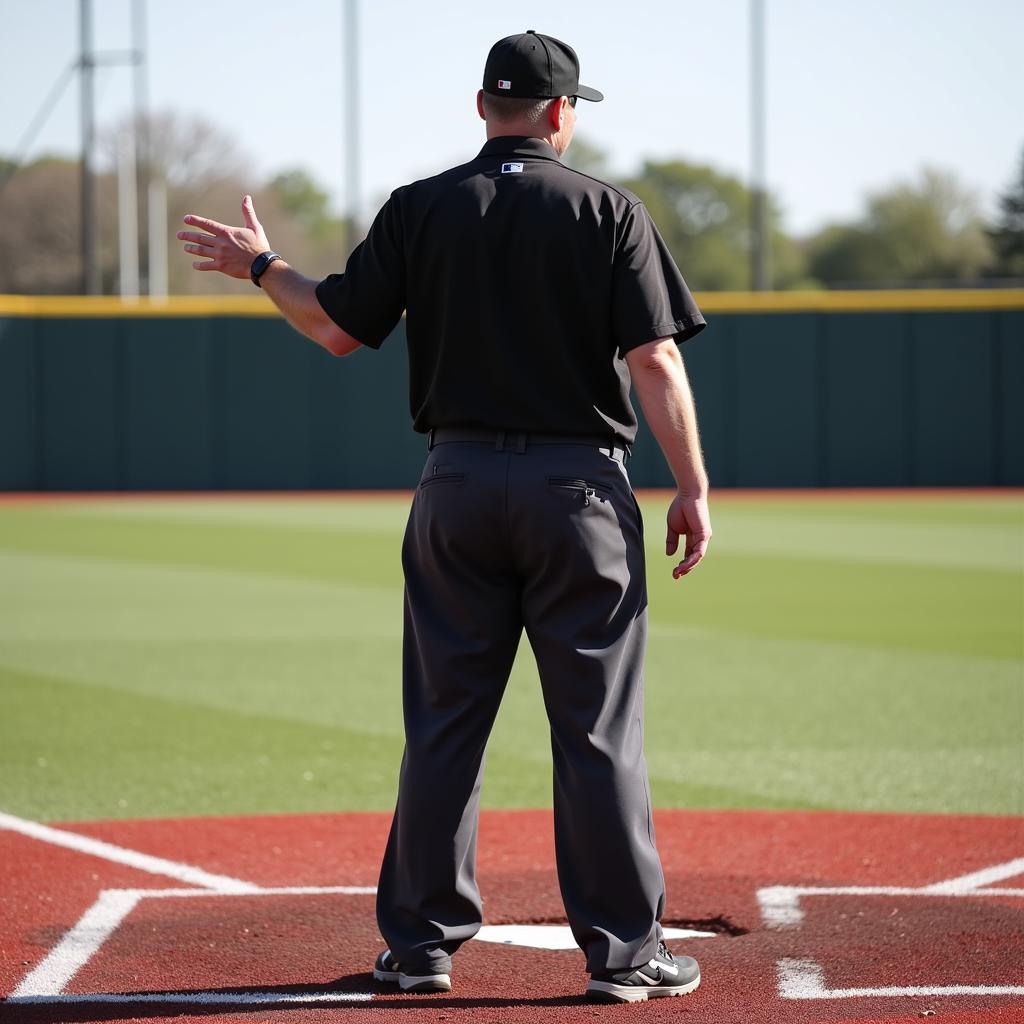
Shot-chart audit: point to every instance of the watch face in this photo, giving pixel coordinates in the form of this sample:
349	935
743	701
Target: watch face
260	264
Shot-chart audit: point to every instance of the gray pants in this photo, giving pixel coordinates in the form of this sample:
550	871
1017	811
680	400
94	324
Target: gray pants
545	537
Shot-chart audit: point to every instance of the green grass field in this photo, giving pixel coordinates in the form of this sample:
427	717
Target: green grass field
175	657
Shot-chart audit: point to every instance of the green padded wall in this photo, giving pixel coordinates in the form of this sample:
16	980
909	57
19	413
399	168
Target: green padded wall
785	399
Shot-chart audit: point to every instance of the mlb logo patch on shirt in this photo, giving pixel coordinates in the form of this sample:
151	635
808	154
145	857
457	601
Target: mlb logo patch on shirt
511	168
504	83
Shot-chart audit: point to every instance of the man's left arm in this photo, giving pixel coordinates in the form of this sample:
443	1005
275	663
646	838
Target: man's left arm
231	250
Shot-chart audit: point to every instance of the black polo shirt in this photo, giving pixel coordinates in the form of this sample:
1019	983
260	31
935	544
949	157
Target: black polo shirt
524	284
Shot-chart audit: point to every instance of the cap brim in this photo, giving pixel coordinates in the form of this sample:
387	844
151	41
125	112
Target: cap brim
586	93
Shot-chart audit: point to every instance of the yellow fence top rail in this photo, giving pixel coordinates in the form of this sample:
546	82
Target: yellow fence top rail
894	300
979	299
112	305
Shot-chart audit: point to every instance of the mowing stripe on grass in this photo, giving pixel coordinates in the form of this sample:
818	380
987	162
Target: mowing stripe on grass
245	655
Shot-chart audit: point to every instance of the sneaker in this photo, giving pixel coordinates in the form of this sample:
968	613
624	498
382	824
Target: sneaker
388	969
663	975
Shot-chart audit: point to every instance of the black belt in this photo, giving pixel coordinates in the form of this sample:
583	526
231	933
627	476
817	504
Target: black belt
519	441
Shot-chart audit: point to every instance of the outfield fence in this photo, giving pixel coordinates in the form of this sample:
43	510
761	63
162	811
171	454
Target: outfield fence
823	389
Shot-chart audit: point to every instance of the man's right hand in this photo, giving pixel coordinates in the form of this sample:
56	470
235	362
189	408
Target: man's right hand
227	249
688	517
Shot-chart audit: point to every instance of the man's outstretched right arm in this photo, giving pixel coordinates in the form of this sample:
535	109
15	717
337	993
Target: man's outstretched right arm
295	296
230	250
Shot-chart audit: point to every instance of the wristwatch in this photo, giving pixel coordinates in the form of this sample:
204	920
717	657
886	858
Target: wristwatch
260	264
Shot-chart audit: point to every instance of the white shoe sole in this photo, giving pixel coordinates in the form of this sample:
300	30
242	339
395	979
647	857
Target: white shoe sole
609	992
415	982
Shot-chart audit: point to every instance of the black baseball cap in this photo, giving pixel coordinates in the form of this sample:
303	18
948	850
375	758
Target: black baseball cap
534	66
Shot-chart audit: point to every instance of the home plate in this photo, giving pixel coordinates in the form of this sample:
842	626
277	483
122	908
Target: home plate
556	936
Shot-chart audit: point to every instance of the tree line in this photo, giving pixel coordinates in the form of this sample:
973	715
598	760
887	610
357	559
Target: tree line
928	231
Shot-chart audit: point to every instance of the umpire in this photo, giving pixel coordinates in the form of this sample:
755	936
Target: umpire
534	296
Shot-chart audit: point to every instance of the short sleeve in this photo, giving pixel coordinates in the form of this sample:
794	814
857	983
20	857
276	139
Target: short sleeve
367	301
650	299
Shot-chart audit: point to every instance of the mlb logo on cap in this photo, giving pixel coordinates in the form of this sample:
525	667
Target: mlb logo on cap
534	66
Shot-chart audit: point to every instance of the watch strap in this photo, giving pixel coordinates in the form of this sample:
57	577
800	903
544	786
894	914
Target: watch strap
260	264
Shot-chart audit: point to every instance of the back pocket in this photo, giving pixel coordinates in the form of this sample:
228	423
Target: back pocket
442	478
578	487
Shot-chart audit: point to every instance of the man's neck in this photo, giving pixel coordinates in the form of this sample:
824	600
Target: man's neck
497	131
553	139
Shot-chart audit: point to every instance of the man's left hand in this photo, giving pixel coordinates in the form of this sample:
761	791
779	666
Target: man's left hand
227	249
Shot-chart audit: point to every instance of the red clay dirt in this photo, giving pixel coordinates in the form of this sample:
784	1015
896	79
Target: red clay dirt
171	951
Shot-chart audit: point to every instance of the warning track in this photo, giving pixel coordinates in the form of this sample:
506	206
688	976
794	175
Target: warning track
794	916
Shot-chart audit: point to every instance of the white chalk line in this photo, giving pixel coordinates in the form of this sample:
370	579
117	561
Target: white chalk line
798	979
202	998
122	855
804	979
270	890
780	904
75	949
53	973
97	924
977	879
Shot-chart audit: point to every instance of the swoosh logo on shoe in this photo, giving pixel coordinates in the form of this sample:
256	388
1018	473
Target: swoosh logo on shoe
647	979
665	968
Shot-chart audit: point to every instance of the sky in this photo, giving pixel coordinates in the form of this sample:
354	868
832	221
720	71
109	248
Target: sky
858	95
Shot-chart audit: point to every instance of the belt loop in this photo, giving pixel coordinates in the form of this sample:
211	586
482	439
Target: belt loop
520	443
499	444
430	440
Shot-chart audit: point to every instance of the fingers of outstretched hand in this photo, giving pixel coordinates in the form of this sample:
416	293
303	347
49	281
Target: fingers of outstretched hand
199	244
213	226
230	249
196	236
249	213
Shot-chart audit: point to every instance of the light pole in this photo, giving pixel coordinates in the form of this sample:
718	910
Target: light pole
140	104
352	196
760	275
90	249
87	62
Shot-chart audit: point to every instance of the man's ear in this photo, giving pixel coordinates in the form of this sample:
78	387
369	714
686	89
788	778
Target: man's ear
480	104
556	112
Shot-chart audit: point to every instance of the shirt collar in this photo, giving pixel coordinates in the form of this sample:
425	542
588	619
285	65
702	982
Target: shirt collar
519	145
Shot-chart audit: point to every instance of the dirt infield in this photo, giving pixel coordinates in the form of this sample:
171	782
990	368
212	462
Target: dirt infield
801	917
